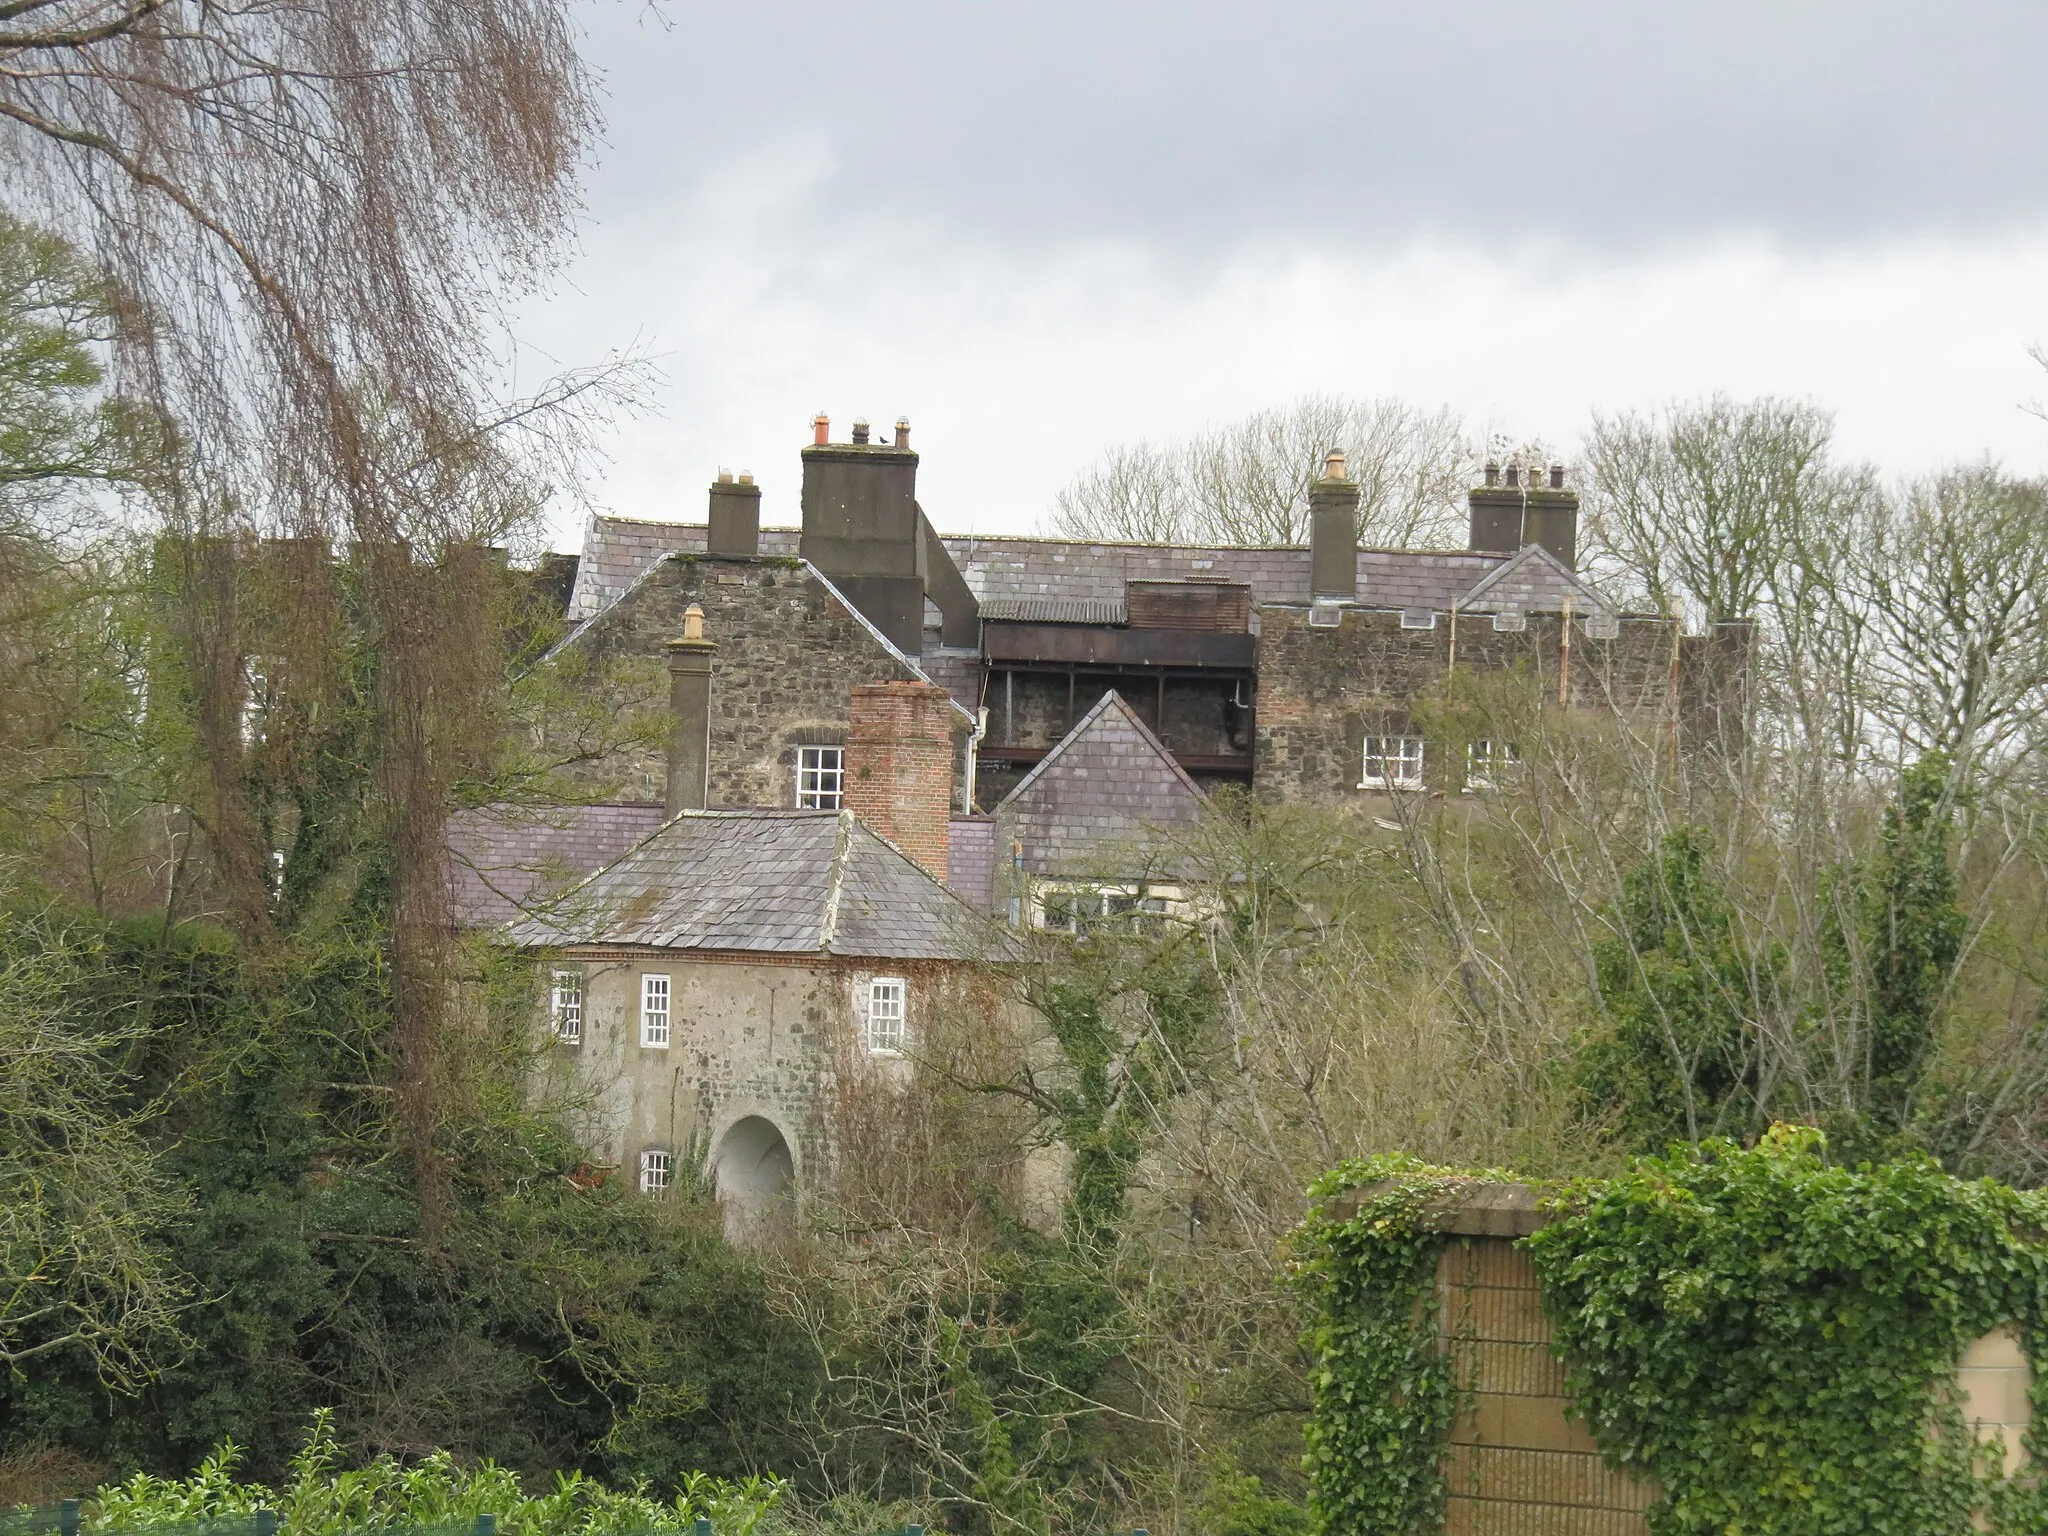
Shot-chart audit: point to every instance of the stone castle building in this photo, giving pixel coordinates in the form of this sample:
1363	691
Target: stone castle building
934	728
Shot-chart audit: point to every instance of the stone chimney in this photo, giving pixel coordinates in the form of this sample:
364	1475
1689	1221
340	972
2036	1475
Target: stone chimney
735	528
689	696
899	767
863	530
1333	533
1526	511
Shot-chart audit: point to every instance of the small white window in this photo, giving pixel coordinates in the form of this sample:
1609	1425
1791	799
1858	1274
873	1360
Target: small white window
568	1007
885	1016
656	1164
1489	764
820	777
654	1011
1392	762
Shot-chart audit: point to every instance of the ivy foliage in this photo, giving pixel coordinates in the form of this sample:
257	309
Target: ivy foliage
1385	1388
1775	1338
1677	982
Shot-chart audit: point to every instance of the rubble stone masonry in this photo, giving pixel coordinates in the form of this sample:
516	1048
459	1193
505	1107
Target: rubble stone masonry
1322	691
788	656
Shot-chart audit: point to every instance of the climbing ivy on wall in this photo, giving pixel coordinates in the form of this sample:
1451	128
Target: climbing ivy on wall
1772	1337
1775	1338
1385	1388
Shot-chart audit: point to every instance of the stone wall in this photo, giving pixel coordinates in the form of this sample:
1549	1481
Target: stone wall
789	654
1323	690
750	1035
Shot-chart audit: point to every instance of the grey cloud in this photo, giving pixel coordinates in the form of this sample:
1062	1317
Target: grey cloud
1203	125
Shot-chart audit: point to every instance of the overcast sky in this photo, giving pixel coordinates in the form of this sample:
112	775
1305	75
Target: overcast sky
1039	230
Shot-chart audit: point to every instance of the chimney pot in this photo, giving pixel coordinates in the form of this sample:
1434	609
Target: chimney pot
693	623
902	431
860	429
821	429
745	478
1492	472
1333	534
725	477
1557	477
1514	474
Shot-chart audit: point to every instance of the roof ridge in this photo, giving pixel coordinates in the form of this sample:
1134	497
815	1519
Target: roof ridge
835	888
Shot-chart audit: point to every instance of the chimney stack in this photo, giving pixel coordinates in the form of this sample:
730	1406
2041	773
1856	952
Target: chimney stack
689	696
735	526
1507	517
863	530
899	767
1333	533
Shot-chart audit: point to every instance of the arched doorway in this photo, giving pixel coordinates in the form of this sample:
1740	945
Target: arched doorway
754	1178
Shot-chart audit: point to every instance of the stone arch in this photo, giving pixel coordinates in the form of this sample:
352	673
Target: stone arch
753	1175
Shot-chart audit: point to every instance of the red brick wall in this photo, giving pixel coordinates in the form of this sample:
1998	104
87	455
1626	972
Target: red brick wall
899	767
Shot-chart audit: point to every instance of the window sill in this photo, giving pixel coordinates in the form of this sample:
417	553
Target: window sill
887	1053
1407	784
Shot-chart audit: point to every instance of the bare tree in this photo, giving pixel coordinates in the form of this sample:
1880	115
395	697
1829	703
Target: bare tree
312	216
1248	482
1954	578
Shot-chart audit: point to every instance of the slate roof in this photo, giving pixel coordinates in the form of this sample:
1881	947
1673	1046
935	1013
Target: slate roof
971	859
1077	581
1003	569
617	549
1092	796
507	859
767	882
1535	581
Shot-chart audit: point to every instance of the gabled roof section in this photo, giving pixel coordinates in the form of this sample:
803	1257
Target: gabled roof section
781	882
1098	793
912	665
1112	723
619	550
1535	581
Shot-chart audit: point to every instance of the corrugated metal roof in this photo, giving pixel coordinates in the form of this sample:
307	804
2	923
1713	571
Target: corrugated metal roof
1055	610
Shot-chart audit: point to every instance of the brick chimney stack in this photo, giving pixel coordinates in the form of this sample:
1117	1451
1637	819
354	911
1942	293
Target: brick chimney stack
689	695
899	767
1333	532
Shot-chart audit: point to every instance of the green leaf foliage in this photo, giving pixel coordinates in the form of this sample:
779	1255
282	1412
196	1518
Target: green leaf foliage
1677	983
1775	1339
1385	1389
320	1495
